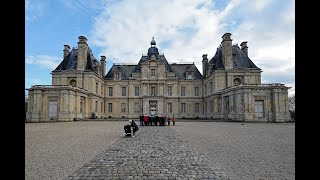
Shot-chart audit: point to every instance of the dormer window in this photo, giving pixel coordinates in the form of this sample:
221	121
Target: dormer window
117	76
189	75
153	57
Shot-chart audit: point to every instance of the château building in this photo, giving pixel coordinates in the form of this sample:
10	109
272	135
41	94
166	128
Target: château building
228	88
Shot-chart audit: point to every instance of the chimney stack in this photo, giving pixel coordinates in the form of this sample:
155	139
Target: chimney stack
66	51
103	65
82	53
227	51
244	47
204	64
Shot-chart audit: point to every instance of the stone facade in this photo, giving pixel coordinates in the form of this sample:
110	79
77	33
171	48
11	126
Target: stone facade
229	88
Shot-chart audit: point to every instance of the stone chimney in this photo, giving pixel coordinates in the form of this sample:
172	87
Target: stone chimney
66	51
244	47
204	64
103	65
82	53
227	51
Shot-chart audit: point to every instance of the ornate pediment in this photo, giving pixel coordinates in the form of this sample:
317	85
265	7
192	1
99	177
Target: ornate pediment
259	97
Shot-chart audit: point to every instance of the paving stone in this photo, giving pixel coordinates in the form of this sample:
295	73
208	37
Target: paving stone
155	153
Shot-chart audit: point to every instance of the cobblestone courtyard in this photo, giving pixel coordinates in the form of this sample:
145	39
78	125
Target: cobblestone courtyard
194	150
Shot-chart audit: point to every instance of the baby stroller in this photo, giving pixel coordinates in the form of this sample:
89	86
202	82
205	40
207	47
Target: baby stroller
127	130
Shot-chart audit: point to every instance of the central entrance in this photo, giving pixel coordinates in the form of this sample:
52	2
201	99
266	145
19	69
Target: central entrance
153	107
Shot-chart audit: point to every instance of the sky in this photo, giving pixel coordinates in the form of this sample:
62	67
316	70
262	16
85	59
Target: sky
184	30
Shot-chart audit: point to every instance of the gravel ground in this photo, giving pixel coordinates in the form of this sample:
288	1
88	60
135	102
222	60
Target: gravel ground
248	151
56	150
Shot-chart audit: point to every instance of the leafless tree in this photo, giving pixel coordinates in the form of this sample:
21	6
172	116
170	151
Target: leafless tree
292	106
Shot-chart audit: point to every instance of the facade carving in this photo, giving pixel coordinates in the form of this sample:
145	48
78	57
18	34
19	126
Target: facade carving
229	88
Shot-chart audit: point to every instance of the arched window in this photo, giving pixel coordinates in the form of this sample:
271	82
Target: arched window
73	82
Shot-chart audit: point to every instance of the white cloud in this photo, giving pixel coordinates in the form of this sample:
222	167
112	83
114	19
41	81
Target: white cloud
33	10
192	28
44	61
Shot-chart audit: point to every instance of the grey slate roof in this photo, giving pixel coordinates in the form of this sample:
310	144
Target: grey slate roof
125	71
161	58
70	61
240	59
180	70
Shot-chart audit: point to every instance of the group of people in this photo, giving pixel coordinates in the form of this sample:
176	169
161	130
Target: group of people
146	120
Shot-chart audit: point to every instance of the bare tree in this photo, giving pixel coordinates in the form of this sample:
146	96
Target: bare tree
292	106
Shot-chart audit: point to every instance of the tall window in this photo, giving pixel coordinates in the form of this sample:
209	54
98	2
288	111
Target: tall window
96	107
211	106
153	91
211	87
205	107
169	90
259	108
124	91
110	107
110	91
205	89
137	107
183	91
102	90
196	91
169	107
97	87
117	76
226	104
123	107
101	107
153	73
137	91
183	107
196	108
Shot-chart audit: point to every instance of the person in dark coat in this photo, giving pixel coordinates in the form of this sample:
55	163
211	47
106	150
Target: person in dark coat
134	126
141	120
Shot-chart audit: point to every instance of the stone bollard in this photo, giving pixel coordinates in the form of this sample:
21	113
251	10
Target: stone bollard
131	131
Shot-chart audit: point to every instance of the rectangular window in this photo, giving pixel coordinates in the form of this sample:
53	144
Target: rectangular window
211	87
110	107
123	107
226	104
110	91
205	107
197	108
205	89
117	76
153	73
183	91
96	107
169	107
183	107
137	91
211	106
259	108
96	87
101	90
124	91
101	106
137	107
169	90
153	91
196	91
